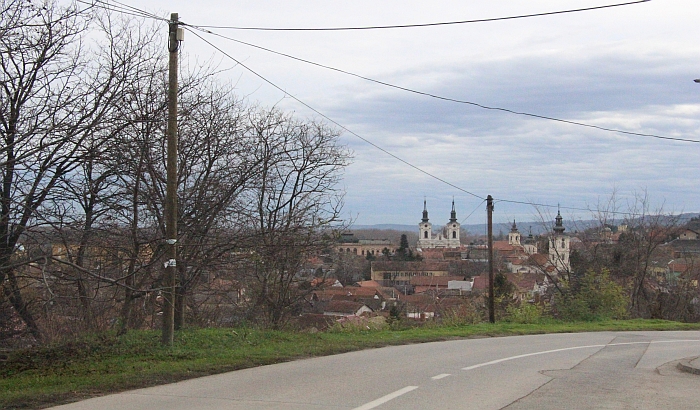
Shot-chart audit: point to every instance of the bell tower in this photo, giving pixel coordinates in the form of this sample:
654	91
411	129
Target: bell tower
425	229
559	247
514	235
452	229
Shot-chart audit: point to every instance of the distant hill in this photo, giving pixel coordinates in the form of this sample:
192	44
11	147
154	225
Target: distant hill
473	228
387	227
524	228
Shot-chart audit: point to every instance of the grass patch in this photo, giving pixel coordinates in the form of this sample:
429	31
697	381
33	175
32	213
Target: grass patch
100	364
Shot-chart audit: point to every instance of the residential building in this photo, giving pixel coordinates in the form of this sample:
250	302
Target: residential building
366	247
392	273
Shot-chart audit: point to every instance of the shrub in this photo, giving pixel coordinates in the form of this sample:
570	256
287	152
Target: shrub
525	313
464	314
597	297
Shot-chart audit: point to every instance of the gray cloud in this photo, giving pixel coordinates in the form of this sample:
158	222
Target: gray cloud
629	68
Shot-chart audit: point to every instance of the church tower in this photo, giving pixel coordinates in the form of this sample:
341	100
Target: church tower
452	229
559	249
425	229
530	244
514	235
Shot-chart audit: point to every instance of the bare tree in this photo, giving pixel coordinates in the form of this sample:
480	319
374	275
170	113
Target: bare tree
83	169
625	241
54	103
295	203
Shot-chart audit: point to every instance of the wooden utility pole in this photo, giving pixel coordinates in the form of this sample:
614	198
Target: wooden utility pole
174	39
489	213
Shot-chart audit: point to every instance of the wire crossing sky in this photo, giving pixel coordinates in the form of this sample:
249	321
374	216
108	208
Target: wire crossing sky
625	69
444	23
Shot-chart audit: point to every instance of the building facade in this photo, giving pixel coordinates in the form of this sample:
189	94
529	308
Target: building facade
559	247
448	238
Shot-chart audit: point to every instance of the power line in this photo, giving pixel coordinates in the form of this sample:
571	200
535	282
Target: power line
387	152
333	121
454	100
472	212
126	9
122	8
571	208
447	23
131	9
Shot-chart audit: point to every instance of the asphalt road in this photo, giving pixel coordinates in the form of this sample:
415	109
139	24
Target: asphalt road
606	370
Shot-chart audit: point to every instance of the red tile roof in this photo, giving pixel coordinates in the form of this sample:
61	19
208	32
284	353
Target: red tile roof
343	306
369	284
481	282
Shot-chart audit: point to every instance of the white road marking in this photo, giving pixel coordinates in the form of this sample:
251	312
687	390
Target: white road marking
375	403
386	398
520	356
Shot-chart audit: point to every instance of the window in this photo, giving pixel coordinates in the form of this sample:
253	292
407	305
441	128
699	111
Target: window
425	234
454	234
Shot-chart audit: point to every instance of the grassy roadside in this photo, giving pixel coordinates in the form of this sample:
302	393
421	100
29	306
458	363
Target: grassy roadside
102	364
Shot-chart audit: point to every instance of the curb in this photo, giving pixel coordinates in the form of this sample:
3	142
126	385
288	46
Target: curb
686	365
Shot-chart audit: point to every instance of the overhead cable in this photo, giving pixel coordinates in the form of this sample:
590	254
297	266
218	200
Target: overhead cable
447	23
454	100
333	121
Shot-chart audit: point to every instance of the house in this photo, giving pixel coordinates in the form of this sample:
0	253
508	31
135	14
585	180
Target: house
421	284
374	298
393	273
368	284
326	283
480	283
364	247
528	286
515	254
680	248
345	308
689	235
420	306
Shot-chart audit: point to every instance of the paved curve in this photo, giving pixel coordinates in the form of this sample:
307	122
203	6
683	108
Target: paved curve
611	370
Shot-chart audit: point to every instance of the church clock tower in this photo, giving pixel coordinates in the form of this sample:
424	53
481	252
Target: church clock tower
559	247
453	229
425	229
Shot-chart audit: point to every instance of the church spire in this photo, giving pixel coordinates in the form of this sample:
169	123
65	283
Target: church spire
559	226
425	211
514	228
453	214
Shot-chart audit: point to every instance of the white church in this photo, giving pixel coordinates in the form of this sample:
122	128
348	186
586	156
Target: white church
448	238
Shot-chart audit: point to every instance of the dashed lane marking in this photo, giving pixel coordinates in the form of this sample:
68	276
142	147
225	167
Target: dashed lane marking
384	399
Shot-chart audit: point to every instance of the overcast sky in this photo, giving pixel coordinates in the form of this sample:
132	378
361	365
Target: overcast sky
629	68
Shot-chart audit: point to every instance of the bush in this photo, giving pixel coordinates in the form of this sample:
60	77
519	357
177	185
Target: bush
358	324
525	313
464	314
597	297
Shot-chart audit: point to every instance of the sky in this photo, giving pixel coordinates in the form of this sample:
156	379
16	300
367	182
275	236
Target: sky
629	68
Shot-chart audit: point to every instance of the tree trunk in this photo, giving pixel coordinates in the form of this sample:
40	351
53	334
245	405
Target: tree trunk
14	294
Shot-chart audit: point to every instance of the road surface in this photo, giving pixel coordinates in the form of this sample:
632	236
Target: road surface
611	370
